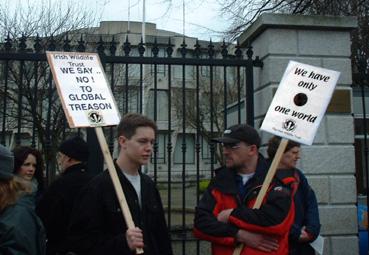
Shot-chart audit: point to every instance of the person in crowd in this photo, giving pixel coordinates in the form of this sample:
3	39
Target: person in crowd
224	215
98	226
56	204
29	165
21	231
306	226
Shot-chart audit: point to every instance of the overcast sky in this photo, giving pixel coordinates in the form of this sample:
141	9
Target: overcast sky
202	18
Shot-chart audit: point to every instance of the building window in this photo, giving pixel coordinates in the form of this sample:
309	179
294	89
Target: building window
190	149
161	107
133	98
189	73
205	71
160	69
206	152
205	149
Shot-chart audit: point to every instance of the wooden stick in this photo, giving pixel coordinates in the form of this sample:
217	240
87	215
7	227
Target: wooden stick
268	179
114	177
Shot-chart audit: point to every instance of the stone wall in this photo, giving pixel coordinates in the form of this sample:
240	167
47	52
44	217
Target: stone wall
329	163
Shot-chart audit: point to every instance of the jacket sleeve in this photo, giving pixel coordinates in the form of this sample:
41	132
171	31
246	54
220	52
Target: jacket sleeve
162	239
306	200
86	229
206	225
275	216
311	220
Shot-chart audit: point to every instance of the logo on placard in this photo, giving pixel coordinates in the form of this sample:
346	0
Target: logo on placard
95	118
289	125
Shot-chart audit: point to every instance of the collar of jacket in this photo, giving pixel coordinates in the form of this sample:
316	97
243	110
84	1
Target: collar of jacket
225	179
80	167
120	171
282	174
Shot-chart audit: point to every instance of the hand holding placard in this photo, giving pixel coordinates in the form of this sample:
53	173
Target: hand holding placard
296	112
88	102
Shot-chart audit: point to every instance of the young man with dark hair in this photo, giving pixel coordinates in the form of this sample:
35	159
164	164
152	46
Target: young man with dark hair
97	225
224	215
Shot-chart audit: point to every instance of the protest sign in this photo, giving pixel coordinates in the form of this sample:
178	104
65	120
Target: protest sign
88	102
300	102
295	113
84	92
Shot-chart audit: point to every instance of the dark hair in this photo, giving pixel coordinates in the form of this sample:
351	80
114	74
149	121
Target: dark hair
274	143
131	121
20	155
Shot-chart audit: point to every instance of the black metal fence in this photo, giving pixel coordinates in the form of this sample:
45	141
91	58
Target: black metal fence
192	92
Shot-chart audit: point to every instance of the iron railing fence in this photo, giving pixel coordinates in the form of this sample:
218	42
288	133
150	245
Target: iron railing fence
192	92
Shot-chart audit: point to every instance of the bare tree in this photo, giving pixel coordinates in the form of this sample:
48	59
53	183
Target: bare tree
31	102
242	13
28	18
211	106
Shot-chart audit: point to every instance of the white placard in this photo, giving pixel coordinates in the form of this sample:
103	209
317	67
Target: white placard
300	102
318	244
83	89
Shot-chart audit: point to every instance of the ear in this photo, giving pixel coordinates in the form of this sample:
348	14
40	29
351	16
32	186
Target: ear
122	141
254	149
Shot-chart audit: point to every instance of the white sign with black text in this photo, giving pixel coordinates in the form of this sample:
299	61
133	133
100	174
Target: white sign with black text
300	102
82	86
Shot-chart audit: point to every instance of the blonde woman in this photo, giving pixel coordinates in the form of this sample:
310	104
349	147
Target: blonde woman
21	231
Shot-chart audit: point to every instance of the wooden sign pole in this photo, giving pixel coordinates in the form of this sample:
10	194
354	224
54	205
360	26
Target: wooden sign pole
268	179
114	177
67	83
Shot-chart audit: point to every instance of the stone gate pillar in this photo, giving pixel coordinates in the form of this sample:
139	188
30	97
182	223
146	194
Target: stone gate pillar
329	163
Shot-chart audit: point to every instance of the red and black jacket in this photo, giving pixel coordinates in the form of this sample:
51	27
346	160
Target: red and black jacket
274	217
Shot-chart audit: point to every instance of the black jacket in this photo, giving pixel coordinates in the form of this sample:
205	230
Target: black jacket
56	204
98	227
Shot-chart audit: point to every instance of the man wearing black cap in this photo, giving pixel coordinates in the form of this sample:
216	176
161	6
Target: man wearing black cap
224	215
56	204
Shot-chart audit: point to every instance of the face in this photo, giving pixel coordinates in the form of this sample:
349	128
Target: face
62	160
238	155
139	147
28	168
289	158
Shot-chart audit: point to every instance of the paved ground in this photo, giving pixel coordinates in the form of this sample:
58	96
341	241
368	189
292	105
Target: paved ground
176	202
176	218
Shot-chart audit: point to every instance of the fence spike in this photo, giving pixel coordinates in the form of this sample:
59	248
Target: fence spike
126	47
155	48
169	48
81	45
238	51
183	48
141	48
113	46
197	49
